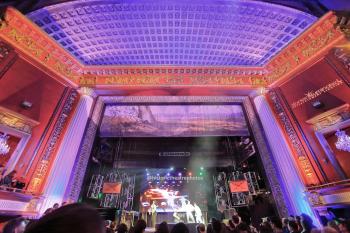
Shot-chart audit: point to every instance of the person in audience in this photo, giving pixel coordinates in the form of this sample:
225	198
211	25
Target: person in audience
55	206
9	179
74	218
306	223
298	221
49	210
264	228
180	228
236	220
276	224
122	228
140	226
15	226
231	226
285	225
200	228
293	227
344	225
162	228
108	224
243	228
326	229
217	226
334	225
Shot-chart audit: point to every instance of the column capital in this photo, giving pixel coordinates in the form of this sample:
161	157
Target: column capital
87	91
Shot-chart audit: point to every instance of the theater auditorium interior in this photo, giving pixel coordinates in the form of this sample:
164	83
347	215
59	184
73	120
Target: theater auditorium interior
174	116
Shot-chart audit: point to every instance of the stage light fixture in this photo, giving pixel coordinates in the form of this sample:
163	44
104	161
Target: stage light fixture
202	168
190	173
168	174
171	168
147	174
180	174
200	173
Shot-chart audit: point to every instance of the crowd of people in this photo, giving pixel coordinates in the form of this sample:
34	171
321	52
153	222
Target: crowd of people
10	180
80	218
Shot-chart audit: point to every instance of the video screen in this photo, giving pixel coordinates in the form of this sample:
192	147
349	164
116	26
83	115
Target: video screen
173	192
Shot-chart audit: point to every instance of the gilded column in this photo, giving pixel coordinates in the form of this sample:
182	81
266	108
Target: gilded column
283	157
58	179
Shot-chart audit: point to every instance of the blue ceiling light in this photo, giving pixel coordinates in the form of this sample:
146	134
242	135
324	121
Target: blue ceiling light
173	32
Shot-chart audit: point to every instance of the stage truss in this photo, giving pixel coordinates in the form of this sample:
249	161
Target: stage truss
123	200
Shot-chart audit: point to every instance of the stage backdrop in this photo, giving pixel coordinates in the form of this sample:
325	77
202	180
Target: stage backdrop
173	121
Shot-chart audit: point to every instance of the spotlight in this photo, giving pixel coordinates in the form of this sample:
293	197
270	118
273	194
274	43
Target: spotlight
190	173
180	174
202	168
147	174
171	168
200	173
168	174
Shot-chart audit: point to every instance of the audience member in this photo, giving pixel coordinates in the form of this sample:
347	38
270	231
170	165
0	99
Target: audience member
108	228
9	178
15	226
140	226
293	227
334	225
306	223
236	220
162	228
327	230
55	206
122	228
243	228
231	226
180	228
285	225
200	228
344	226
74	218
276	224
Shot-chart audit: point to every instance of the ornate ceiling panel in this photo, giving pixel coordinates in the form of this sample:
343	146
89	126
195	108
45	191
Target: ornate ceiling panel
173	32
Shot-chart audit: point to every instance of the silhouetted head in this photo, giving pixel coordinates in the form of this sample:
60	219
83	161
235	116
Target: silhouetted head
180	228
276	222
15	226
74	218
162	228
140	226
306	222
122	228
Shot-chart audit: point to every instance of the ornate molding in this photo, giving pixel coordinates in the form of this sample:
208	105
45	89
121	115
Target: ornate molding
16	121
86	147
331	117
28	38
320	36
43	165
302	159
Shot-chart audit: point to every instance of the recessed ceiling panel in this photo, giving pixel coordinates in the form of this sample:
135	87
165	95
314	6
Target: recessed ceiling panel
172	32
173	121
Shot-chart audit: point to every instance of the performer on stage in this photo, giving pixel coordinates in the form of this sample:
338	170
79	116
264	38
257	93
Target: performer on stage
154	214
189	210
198	214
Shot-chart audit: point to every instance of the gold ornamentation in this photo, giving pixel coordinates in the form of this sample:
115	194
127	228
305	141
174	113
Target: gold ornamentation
310	95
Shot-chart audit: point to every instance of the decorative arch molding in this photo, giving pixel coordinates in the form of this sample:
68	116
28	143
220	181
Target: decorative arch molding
76	180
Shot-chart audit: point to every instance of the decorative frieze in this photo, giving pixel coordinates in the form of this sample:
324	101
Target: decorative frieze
16	121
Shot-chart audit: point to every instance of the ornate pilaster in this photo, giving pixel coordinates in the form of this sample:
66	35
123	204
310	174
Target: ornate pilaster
283	157
42	167
82	159
62	168
302	159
